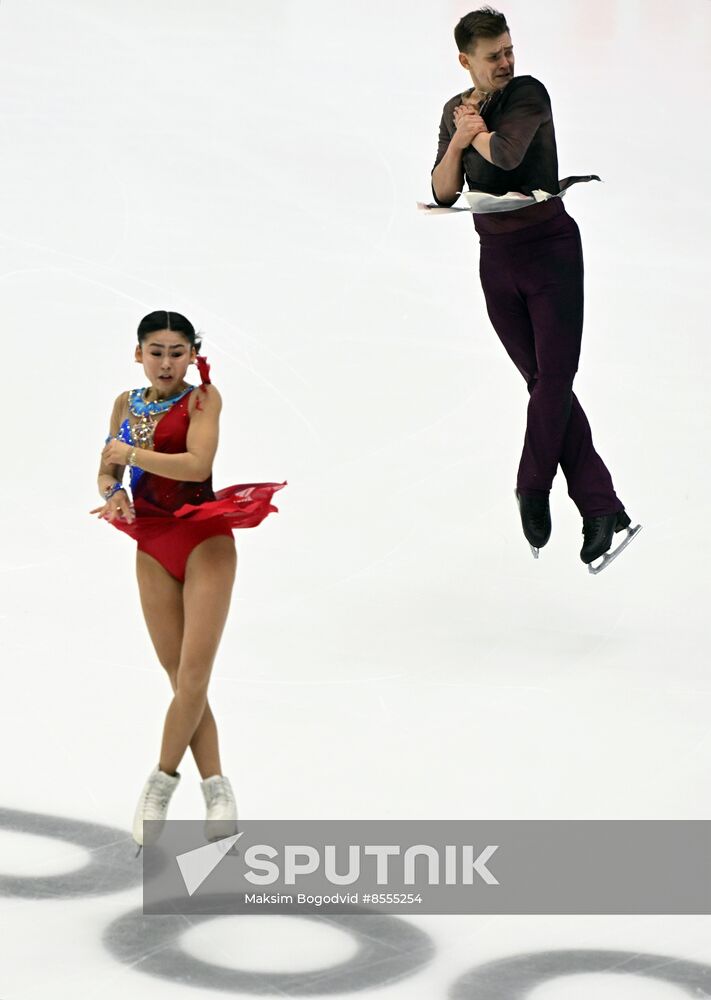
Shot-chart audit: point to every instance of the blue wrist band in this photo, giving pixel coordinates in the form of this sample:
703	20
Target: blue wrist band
114	489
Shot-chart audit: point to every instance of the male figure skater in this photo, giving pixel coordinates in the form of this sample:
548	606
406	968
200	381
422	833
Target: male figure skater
500	136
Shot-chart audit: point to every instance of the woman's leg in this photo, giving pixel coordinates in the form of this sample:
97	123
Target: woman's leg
162	602
207	591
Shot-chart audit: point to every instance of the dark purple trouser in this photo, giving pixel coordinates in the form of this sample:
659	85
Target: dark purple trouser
533	285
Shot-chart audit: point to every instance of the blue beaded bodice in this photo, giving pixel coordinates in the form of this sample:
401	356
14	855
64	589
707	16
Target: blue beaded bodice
137	405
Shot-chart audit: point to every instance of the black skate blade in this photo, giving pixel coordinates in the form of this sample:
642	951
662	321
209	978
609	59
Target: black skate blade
140	848
609	557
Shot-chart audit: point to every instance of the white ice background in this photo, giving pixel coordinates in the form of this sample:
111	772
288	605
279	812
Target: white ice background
393	651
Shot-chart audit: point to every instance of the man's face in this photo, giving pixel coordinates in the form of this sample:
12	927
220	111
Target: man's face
491	63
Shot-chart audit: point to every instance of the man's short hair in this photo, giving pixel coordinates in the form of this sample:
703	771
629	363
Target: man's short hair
482	23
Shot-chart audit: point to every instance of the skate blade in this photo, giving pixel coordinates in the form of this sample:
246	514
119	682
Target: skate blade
140	848
609	557
534	550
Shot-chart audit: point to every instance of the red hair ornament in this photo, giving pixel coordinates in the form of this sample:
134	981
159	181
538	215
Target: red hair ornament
204	369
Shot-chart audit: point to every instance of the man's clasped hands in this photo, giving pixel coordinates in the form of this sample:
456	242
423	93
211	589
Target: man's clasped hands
469	123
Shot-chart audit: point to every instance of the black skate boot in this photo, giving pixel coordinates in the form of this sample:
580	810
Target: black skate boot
598	533
535	520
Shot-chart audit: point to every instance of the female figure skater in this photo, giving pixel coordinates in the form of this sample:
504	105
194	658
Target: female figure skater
167	435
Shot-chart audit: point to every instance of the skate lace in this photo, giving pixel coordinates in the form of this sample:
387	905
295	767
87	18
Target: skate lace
220	795
537	513
591	526
157	797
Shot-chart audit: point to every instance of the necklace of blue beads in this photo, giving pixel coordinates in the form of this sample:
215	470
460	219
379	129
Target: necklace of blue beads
148	413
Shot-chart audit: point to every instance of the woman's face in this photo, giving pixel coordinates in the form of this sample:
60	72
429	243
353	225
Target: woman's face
165	356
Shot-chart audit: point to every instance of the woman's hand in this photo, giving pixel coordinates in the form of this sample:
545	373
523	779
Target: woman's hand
116	506
116	452
469	124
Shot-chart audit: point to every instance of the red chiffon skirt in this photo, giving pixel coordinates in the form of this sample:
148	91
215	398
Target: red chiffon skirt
169	536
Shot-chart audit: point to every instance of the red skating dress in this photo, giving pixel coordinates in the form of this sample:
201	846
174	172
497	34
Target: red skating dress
172	516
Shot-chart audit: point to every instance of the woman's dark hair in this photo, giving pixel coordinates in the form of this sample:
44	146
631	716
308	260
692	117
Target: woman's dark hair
163	320
483	23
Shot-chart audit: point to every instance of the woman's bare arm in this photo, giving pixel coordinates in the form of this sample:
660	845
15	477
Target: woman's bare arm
110	474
